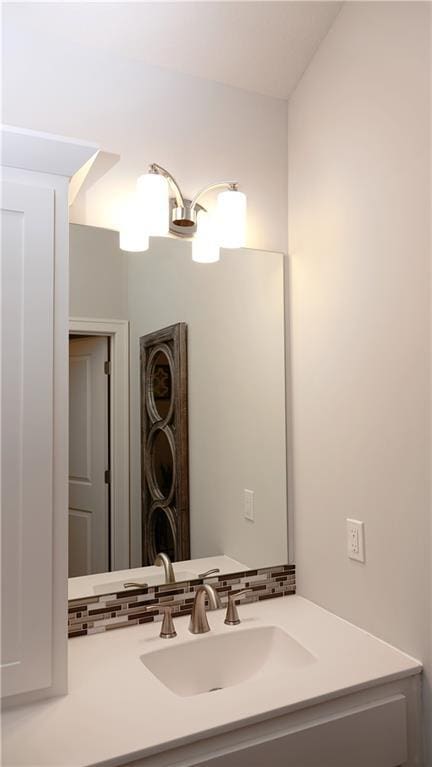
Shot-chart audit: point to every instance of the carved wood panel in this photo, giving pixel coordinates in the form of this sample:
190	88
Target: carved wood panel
164	444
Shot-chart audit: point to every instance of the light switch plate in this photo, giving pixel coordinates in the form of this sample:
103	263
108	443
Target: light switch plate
249	511
355	540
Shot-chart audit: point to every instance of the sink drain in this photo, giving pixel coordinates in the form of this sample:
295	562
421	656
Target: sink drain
215	689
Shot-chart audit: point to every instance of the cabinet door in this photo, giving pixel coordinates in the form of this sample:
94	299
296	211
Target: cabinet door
27	267
373	734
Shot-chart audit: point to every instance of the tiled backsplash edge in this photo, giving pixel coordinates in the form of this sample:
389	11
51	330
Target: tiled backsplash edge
92	615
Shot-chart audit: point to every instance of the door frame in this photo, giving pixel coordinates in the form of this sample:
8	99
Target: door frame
118	332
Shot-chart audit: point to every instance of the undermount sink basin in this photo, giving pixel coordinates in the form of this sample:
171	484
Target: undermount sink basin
151	580
211	663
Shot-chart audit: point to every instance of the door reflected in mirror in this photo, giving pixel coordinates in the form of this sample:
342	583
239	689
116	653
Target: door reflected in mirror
89	460
193	394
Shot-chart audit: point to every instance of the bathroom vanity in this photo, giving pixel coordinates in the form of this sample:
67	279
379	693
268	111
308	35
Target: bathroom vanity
291	685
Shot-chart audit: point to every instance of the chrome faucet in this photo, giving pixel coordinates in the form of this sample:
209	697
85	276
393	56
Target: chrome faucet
163	560
198	621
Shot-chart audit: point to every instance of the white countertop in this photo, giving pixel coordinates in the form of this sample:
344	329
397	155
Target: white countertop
116	708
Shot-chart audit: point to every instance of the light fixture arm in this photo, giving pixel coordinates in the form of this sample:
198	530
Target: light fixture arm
155	168
233	185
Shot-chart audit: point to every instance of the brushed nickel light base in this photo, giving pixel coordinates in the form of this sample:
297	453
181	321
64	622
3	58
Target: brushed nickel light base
183	218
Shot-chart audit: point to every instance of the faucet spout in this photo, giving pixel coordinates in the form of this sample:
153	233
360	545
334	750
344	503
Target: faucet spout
163	560
198	622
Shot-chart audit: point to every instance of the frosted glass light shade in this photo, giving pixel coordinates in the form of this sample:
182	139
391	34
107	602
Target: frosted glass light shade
133	235
232	219
153	195
205	247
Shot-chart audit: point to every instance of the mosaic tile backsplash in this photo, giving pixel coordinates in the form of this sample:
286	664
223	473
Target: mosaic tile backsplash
105	612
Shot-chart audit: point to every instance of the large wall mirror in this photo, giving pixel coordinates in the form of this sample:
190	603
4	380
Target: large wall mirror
177	413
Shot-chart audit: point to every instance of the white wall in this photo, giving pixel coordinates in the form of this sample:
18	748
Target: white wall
202	131
359	245
235	316
97	273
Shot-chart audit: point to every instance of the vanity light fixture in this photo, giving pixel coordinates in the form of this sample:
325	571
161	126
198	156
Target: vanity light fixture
159	215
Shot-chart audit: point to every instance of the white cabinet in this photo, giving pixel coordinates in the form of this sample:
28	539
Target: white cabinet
27	224
374	735
377	726
34	322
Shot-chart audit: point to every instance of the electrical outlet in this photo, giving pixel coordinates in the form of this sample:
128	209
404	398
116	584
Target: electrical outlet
355	540
249	512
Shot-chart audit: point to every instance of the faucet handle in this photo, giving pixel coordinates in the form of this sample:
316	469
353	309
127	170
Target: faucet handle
209	572
232	616
167	629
